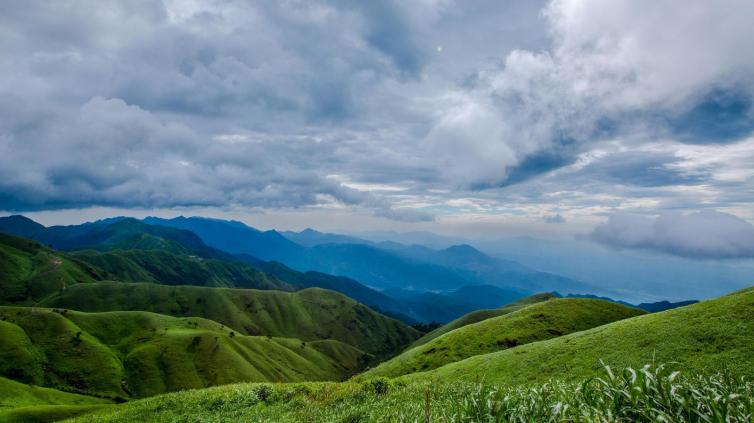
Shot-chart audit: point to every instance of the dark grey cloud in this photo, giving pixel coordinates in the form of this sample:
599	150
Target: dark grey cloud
705	234
644	168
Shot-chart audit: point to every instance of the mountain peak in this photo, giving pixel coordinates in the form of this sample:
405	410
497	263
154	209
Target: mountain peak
19	225
464	249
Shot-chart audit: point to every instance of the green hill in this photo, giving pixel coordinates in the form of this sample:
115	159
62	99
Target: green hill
479	315
137	354
25	403
112	234
168	268
704	337
535	322
311	314
30	272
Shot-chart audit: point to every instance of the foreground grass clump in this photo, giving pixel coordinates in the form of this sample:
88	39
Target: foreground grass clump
650	394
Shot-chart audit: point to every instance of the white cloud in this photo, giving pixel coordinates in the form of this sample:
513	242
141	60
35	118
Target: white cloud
612	67
705	234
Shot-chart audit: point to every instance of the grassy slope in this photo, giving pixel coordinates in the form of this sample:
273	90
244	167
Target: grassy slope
532	323
707	336
30	272
125	354
25	403
656	395
479	315
168	268
310	314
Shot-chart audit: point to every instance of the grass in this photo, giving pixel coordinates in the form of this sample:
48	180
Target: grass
479	315
25	403
644	395
530	323
311	314
714	335
119	355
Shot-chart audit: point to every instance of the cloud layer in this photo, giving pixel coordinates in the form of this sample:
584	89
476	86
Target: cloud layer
560	111
705	234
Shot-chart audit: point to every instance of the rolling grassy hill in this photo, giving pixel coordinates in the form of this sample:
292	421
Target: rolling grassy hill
21	403
132	251
164	267
708	336
531	323
35	275
479	315
310	314
120	355
30	272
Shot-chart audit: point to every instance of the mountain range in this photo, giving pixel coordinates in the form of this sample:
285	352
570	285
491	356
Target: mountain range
121	309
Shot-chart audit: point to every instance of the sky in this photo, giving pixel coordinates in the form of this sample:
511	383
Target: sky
626	122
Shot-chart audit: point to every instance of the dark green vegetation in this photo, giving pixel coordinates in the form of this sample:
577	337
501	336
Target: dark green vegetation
645	395
167	268
112	234
535	322
30	272
710	335
120	355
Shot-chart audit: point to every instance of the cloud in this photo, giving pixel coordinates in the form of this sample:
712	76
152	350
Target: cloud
109	153
704	234
635	66
554	218
579	110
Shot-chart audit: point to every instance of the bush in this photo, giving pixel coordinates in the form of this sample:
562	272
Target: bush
377	386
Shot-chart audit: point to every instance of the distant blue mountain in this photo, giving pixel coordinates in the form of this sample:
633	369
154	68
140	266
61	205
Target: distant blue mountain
389	265
235	237
310	238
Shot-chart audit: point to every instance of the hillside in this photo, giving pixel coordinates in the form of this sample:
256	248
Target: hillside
181	259
25	403
656	394
708	336
111	234
532	323
310	314
138	354
167	268
479	315
30	272
234	237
